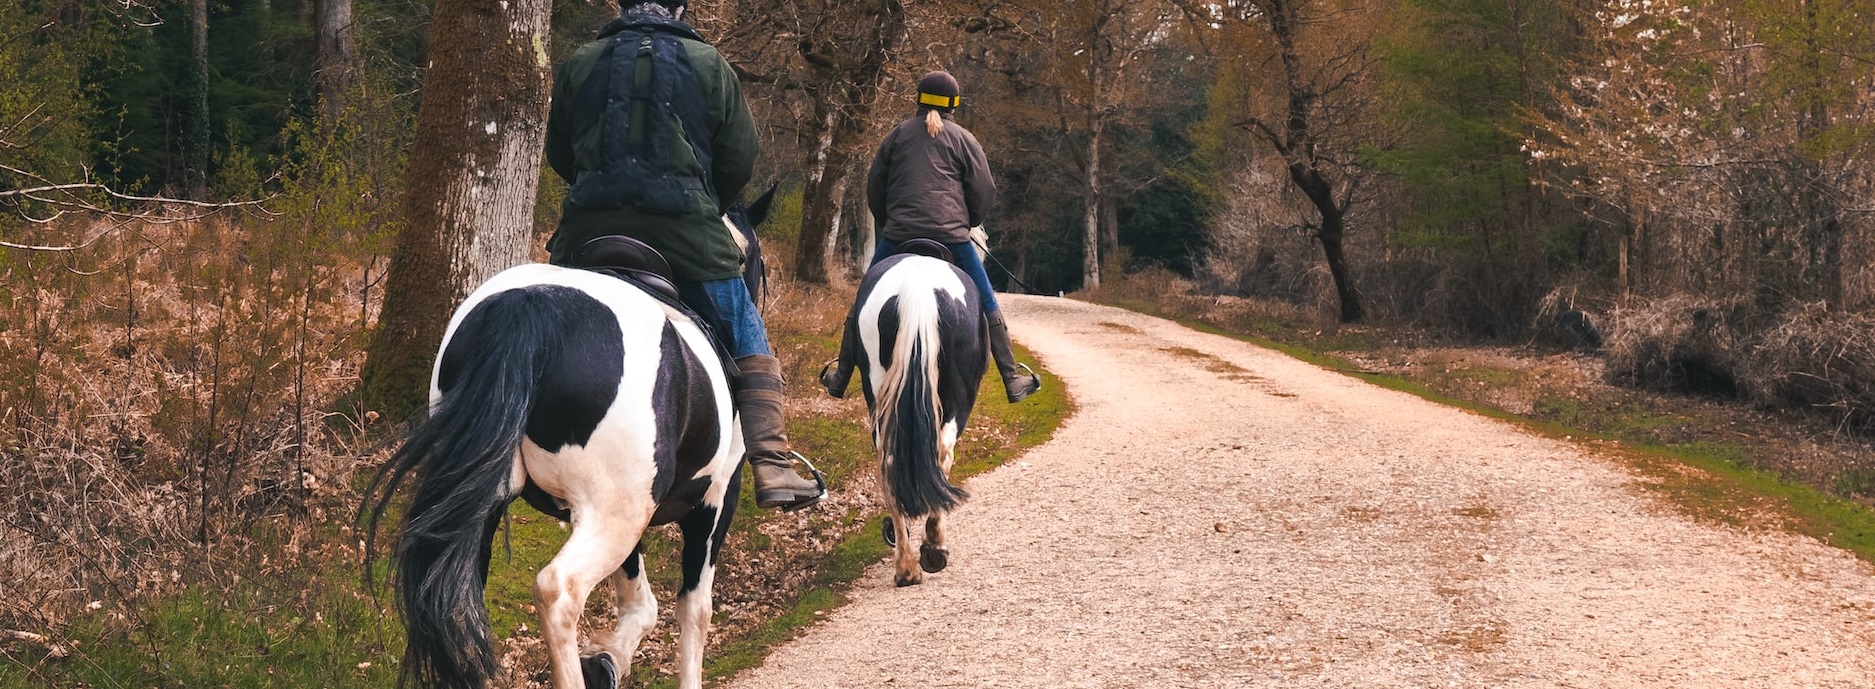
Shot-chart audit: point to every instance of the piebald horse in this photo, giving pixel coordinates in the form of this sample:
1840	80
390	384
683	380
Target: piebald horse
922	358
598	404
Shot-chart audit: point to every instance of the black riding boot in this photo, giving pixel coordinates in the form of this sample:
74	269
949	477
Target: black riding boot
1019	381
758	400
837	373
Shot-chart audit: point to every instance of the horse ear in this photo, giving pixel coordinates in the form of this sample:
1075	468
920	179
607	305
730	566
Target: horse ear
758	211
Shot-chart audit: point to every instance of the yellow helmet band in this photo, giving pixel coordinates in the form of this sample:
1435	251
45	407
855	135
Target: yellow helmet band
938	101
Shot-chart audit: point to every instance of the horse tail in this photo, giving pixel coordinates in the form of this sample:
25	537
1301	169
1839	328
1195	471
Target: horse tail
463	457
905	415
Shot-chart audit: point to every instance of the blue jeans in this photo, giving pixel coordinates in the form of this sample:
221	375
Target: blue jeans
964	255
730	311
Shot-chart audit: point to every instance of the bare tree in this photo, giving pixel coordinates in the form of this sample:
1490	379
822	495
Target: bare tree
1322	104
836	55
1090	53
469	195
196	142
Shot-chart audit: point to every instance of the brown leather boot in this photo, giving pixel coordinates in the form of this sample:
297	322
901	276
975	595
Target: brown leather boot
837	373
1019	381
758	401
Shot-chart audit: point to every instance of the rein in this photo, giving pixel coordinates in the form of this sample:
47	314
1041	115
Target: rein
999	263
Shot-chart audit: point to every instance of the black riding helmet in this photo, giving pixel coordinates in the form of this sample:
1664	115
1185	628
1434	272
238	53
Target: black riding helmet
939	90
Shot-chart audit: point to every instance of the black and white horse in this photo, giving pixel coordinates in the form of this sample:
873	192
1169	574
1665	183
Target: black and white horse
597	404
922	358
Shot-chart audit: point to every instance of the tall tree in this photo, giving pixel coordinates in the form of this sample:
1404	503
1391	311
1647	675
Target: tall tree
1723	140
1459	79
196	140
1091	66
469	193
336	52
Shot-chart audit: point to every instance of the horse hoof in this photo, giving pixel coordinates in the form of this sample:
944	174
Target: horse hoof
599	672
911	579
933	559
890	534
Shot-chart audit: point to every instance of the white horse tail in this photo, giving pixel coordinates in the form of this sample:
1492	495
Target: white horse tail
906	413
463	456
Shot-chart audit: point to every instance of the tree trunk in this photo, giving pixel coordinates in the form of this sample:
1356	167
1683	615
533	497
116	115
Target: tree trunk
1333	225
1090	216
819	202
1109	226
869	240
335	54
469	199
849	57
1624	275
837	204
196	144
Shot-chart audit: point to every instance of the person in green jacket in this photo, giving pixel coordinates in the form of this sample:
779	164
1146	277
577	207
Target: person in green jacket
650	131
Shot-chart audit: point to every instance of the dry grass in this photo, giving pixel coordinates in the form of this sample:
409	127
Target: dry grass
1818	360
164	397
1682	343
1806	358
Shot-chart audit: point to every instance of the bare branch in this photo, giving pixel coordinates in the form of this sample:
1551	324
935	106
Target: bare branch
64	198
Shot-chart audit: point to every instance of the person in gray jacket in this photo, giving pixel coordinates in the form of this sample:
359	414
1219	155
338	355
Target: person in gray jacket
930	180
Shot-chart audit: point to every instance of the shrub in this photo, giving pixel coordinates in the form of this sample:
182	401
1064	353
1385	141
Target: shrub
1813	358
1681	343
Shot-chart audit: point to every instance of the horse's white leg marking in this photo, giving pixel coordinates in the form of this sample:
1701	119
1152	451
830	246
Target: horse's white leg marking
603	535
905	559
693	624
637	613
934	530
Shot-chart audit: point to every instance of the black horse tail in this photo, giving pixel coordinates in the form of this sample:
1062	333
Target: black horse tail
463	456
905	414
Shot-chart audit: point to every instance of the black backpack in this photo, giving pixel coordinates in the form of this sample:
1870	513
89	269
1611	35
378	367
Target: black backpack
641	86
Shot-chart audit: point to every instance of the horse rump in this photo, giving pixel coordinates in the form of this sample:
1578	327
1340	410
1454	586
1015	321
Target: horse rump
907	413
462	457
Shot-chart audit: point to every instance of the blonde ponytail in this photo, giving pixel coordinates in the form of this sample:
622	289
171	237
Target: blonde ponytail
933	122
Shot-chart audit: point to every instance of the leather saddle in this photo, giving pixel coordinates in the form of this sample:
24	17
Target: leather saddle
926	247
631	259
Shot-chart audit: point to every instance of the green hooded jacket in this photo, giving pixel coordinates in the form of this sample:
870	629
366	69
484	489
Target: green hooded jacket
697	243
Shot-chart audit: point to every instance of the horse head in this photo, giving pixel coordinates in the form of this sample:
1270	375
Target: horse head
740	220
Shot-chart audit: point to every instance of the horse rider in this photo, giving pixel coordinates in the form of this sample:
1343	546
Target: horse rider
649	129
930	180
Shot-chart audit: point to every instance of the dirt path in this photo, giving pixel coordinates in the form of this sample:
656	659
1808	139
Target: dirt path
1218	515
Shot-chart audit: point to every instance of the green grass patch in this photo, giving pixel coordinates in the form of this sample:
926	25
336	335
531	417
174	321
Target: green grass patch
309	632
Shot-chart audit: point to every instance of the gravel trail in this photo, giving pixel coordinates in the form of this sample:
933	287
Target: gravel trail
1220	515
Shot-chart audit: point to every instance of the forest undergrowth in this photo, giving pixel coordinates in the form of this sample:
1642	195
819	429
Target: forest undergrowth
181	466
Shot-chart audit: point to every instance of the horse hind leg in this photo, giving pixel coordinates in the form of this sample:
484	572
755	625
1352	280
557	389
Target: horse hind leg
637	611
598	547
904	562
704	529
933	555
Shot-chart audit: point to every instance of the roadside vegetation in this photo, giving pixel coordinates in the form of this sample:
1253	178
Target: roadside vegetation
1753	461
231	560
